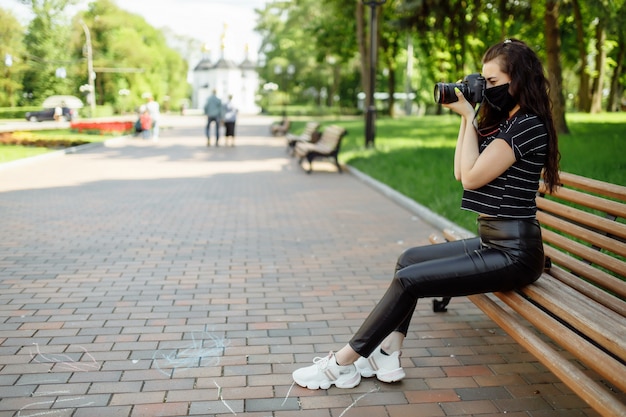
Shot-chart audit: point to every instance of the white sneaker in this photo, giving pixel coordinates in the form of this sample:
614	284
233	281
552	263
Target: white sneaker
386	367
325	372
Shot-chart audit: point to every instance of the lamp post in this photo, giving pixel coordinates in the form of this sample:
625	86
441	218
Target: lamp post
370	117
278	70
91	76
284	75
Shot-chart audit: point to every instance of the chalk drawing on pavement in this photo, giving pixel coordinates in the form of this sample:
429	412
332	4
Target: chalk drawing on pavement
205	349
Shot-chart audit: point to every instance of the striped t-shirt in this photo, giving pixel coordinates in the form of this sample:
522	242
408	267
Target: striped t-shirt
512	194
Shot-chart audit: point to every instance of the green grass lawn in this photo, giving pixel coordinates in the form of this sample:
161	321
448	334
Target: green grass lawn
414	155
14	152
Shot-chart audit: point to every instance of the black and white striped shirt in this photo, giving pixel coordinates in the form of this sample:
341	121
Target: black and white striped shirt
512	194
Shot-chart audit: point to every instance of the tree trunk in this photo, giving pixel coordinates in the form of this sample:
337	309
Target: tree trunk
555	73
584	96
391	86
615	94
598	82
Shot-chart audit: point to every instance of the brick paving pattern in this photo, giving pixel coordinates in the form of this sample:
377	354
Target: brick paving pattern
172	279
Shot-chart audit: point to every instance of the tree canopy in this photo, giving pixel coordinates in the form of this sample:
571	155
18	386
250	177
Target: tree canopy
130	57
317	51
447	40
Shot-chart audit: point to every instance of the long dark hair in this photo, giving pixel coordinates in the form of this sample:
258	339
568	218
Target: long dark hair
530	88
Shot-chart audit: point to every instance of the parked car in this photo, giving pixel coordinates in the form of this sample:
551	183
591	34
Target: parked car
48	114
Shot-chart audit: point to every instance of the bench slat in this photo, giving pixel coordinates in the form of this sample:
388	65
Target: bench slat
594	186
436	239
587	271
556	297
590	391
589	354
611	227
597	203
584	252
587	235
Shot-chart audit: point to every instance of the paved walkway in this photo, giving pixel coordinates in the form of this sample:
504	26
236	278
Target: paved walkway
172	279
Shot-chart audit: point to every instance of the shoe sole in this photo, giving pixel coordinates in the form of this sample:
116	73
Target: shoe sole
390	376
349	383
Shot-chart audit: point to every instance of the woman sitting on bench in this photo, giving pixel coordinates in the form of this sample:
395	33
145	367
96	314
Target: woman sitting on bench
500	153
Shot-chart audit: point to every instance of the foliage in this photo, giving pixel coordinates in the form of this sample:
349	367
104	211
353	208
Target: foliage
133	56
286	31
46	44
129	56
11	49
449	38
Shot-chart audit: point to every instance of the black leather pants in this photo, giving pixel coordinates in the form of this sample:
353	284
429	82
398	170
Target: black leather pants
508	254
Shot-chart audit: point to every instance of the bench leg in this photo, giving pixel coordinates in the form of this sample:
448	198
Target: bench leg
338	166
439	306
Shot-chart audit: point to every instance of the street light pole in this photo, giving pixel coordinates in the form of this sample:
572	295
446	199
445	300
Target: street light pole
90	74
370	117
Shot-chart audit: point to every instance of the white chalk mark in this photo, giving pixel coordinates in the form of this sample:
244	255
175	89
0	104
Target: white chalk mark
44	413
191	356
288	392
377	388
49	402
66	362
49	393
219	395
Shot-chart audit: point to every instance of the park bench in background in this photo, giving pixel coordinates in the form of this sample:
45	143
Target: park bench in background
280	129
327	147
310	134
579	302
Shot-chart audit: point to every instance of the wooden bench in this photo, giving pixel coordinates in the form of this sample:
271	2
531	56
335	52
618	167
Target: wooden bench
327	147
280	129
579	302
310	134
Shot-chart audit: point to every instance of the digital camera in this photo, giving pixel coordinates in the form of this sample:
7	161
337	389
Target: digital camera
472	87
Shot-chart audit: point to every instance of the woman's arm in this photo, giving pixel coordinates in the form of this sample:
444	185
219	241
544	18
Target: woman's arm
457	150
472	168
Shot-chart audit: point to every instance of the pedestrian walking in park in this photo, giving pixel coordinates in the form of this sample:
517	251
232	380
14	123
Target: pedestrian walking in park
230	119
213	111
155	114
146	123
501	151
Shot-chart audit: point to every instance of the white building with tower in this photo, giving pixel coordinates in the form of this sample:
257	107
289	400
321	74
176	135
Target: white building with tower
226	77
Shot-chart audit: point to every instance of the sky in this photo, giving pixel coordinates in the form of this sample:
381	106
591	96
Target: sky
203	20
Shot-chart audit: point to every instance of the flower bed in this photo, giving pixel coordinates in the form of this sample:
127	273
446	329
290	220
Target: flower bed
36	139
101	128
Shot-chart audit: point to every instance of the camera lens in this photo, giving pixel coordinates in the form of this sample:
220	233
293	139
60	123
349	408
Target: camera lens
444	93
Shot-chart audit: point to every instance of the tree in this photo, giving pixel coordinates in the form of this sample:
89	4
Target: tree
318	62
617	21
128	54
12	54
46	46
584	95
555	75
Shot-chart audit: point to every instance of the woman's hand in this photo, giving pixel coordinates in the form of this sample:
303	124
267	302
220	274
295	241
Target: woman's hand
462	106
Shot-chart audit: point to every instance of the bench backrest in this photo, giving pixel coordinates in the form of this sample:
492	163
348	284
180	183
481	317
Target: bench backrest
331	137
585	235
310	132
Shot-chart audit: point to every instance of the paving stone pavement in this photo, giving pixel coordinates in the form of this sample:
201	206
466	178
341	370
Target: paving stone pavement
175	279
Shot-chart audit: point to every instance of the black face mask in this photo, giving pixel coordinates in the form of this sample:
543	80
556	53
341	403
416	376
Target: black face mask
499	98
